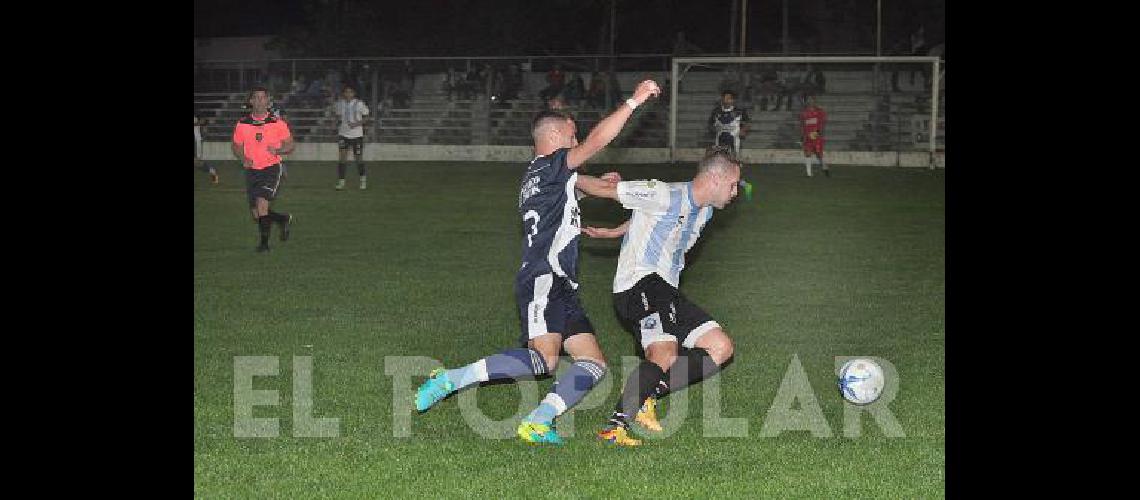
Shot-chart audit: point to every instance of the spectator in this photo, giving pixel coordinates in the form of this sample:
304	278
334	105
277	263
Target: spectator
771	88
596	97
314	96
492	81
615	89
405	86
451	83
575	90
473	86
555	80
811	84
513	82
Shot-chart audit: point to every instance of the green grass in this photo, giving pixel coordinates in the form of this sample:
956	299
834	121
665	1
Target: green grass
422	264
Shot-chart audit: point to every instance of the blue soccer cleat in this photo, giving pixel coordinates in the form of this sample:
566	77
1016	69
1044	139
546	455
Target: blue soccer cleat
534	432
435	388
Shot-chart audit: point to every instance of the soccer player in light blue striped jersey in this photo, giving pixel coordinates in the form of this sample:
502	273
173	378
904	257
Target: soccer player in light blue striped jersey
682	343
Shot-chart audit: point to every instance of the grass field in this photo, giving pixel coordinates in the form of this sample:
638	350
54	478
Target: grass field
422	264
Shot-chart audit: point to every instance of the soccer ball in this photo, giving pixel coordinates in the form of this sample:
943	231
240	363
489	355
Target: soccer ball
861	381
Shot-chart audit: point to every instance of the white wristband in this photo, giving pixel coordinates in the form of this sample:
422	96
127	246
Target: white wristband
631	103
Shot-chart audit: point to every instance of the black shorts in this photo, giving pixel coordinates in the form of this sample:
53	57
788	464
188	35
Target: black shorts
653	311
264	183
357	144
548	304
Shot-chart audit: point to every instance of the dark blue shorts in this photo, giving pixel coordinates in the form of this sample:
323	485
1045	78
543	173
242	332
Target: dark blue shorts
548	304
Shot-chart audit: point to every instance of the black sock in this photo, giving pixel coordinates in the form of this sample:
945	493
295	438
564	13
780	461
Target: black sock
279	218
360	169
340	167
691	367
263	224
640	385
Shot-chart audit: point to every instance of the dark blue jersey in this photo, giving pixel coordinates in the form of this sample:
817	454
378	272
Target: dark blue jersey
727	121
550	219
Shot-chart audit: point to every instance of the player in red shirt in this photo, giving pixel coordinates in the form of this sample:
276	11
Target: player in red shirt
812	121
260	139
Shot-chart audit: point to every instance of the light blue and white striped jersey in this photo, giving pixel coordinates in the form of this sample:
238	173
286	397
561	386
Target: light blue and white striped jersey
666	223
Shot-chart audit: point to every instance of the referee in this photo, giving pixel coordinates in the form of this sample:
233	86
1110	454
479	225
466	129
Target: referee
260	139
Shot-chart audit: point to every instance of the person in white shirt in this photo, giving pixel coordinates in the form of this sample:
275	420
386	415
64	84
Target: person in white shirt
682	344
350	113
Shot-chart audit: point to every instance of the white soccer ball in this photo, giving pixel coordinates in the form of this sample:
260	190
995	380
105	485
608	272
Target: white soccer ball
861	381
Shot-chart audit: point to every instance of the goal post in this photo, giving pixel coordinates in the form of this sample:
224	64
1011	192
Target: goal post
877	106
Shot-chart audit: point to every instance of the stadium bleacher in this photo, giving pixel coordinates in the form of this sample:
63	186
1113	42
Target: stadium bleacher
431	118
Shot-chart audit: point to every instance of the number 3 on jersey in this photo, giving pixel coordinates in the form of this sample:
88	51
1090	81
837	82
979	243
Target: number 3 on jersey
533	229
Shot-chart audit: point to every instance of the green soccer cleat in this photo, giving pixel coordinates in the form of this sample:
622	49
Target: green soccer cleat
435	388
534	432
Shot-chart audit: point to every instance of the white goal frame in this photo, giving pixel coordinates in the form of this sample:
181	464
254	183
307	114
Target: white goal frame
679	61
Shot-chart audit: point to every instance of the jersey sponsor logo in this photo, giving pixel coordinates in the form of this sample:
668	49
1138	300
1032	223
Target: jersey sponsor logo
529	188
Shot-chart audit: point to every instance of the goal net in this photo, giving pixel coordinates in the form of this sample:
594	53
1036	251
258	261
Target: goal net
880	110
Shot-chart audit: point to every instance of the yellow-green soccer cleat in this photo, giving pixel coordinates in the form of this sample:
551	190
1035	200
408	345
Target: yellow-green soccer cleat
534	432
647	415
619	436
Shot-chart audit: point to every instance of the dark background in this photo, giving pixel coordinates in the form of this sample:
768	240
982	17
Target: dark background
345	28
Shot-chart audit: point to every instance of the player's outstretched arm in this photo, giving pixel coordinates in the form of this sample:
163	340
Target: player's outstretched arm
605	187
602	232
610	126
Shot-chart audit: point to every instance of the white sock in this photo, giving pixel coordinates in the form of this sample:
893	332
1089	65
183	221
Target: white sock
807	165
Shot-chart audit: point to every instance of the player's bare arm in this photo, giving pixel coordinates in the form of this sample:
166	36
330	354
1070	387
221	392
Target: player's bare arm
603	232
607	129
287	146
605	187
239	152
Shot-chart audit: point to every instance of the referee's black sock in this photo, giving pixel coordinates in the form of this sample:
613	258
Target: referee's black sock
360	169
340	168
640	385
263	224
279	218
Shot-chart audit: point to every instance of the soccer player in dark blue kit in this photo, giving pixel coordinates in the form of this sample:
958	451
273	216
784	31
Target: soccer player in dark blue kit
729	125
546	287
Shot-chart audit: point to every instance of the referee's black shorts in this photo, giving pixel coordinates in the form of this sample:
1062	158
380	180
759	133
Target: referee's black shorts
263	183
